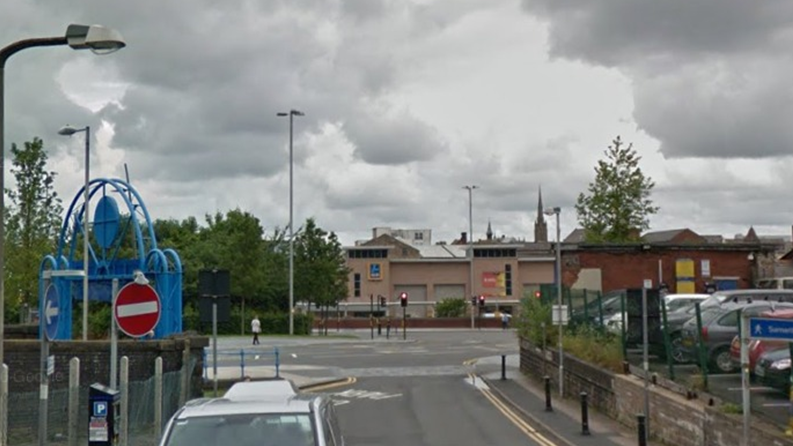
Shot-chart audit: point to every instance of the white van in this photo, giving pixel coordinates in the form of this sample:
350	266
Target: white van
775	283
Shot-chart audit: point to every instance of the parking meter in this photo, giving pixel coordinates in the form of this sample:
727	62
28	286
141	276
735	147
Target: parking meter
103	415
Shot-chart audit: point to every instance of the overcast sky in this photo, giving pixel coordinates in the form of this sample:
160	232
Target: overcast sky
406	102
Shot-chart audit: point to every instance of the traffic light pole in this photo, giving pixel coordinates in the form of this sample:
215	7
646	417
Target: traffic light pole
404	323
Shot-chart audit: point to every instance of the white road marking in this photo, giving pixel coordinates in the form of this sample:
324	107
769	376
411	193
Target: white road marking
137	309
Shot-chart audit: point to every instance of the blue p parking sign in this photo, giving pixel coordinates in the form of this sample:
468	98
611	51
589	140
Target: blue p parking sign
100	408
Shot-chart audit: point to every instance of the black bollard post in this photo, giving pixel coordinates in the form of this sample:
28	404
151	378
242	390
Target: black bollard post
548	407
503	367
642	430
584	415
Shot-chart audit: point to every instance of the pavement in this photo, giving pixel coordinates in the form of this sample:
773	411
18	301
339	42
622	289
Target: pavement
563	423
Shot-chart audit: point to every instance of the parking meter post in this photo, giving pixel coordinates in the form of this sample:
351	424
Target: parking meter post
548	407
503	367
584	414
158	397
703	357
642	428
667	341
745	393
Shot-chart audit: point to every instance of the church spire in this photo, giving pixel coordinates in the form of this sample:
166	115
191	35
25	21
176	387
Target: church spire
489	231
540	226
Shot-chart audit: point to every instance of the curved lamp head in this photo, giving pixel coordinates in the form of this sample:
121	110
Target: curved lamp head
552	211
69	130
98	39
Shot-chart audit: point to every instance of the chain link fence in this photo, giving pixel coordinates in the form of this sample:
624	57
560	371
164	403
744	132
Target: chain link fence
23	411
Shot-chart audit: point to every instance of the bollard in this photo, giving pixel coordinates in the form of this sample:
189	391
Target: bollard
548	407
503	367
642	430
584	415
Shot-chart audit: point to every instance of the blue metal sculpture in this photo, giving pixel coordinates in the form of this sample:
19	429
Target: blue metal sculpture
119	245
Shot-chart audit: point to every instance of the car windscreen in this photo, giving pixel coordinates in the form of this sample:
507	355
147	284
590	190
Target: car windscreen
242	430
680	304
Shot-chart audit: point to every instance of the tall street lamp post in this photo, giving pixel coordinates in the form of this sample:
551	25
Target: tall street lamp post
471	248
556	211
291	114
98	39
69	131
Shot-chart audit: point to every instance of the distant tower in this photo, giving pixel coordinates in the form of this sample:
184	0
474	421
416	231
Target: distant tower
540	226
489	231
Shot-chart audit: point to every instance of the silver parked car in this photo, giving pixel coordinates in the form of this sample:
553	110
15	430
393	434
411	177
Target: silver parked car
719	327
258	413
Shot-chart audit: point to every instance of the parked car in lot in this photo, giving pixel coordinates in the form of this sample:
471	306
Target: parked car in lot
676	302
758	347
719	327
773	369
256	413
751	295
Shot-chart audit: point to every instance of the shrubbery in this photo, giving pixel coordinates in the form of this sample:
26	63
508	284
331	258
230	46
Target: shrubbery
450	308
587	342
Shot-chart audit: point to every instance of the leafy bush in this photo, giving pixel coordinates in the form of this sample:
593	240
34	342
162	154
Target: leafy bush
533	314
595	346
450	308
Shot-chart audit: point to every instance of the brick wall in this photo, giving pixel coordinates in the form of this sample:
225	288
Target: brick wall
23	358
628	267
673	419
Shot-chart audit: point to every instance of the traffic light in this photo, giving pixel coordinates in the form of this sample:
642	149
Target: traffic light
473	301
481	301
537	294
382	301
403	299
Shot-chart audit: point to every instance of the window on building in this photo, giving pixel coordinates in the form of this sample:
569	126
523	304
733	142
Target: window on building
506	252
367	253
356	285
508	279
418	236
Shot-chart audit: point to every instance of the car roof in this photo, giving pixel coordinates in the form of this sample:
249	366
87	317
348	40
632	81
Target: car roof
254	397
782	313
732	293
261	389
686	296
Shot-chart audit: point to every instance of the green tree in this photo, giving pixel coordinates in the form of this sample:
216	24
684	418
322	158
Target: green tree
618	204
33	222
320	270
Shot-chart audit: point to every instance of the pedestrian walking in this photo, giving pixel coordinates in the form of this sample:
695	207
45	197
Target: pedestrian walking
256	328
504	320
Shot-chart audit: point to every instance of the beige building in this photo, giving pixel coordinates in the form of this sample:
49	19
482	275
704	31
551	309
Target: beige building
387	266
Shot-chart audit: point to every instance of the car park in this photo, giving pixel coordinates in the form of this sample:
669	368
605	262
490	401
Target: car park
758	347
773	369
719	327
256	413
750	295
676	302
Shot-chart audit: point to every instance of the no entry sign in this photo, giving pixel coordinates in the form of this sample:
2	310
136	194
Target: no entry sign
137	309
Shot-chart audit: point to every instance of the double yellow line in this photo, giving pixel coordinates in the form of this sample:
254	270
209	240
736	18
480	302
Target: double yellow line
349	380
508	412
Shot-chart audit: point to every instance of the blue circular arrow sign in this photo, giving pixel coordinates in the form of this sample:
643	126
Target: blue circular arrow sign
51	312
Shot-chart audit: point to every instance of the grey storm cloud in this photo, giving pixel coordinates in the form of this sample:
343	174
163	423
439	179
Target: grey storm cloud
205	77
707	76
400	140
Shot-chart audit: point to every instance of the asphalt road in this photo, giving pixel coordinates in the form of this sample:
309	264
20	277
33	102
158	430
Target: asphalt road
424	411
417	391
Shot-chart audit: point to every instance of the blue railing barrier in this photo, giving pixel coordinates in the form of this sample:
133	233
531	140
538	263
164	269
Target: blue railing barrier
242	354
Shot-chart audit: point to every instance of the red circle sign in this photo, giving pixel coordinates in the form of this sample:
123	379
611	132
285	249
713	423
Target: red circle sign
137	309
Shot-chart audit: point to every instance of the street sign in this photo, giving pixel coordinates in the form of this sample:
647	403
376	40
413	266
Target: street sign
558	313
136	309
50	365
771	329
51	312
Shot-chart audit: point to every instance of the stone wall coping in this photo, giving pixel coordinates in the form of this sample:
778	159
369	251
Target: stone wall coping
29	345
